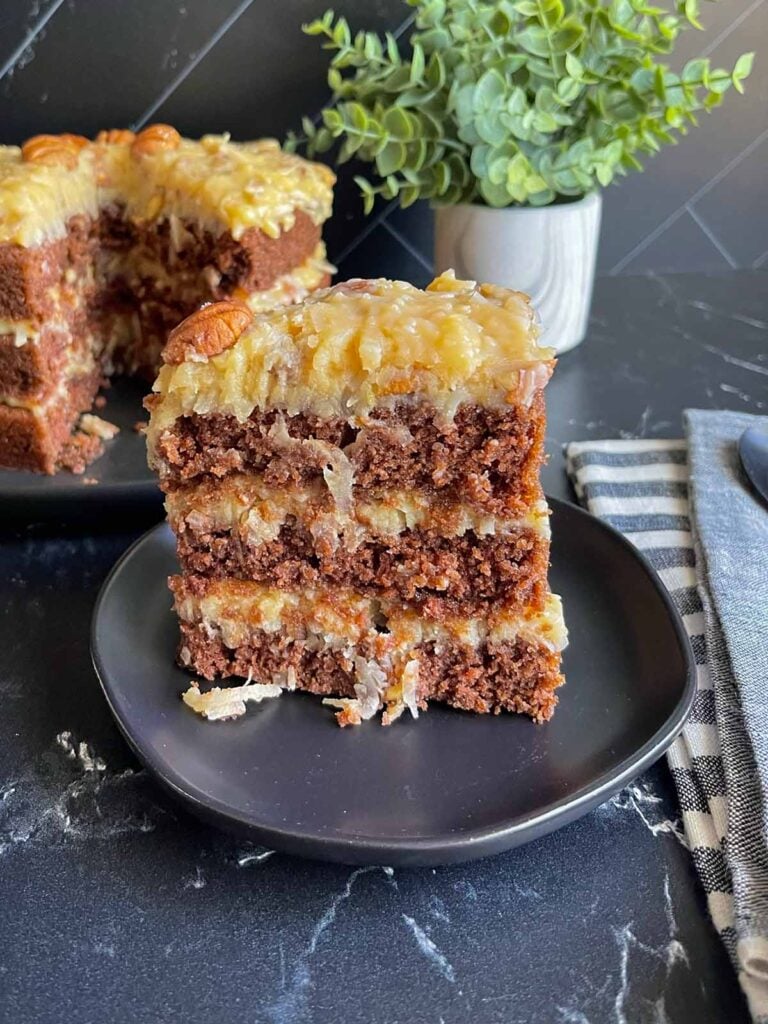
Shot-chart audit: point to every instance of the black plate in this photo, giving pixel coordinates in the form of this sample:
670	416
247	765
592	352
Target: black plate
449	787
122	477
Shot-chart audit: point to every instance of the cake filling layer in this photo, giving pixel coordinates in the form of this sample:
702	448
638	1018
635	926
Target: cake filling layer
340	617
246	503
486	457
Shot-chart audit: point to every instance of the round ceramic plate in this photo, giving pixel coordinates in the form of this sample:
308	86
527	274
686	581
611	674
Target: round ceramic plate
118	478
447	787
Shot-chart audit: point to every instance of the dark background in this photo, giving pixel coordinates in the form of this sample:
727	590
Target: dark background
216	65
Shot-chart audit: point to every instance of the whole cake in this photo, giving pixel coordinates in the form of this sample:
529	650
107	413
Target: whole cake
106	245
354	487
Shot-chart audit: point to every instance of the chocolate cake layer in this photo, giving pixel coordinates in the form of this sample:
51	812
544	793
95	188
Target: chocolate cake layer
29	278
516	676
438	575
253	262
33	439
35	367
488	456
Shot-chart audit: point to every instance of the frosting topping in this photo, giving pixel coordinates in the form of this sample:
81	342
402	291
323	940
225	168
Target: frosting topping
224	185
346	349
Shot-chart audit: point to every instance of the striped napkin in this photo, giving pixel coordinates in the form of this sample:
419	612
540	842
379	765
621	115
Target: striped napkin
646	490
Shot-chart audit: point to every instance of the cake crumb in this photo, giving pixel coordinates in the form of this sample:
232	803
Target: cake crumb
90	480
140	426
95	426
99	402
79	451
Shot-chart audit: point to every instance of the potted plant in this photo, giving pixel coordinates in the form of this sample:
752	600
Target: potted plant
509	116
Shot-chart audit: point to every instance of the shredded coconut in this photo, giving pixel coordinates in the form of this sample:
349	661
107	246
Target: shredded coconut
218	704
95	426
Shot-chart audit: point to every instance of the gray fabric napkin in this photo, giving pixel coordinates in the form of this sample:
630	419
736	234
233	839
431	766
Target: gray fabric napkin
730	527
706	533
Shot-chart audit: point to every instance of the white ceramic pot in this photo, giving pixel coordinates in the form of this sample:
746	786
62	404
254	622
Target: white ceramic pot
547	251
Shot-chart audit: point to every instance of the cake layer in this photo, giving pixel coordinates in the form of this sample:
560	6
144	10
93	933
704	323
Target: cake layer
373	653
450	561
487	457
32	279
33	359
33	437
347	350
258	268
519	675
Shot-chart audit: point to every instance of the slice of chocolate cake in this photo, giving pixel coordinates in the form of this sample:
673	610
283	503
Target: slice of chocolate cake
106	245
354	487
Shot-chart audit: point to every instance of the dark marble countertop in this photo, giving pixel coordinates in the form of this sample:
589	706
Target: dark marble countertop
115	905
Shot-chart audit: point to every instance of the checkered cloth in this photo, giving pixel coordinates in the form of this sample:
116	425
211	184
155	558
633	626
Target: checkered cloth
687	506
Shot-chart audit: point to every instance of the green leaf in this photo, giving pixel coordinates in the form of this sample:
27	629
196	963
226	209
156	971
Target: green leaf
568	89
573	66
490	128
478	161
718	81
498	170
517	170
418	64
604	173
398	124
517	102
544	122
408	196
695	72
494	195
368	194
691	10
741	70
535	40
489	90
546	101
464	103
528	8
551	12
391	159
568	36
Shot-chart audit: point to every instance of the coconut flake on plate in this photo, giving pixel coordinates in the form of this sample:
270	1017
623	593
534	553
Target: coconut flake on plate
228	702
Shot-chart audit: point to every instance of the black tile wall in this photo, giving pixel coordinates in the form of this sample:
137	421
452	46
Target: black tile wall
209	65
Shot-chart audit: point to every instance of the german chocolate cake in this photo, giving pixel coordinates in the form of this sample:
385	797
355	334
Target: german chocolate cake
106	245
354	487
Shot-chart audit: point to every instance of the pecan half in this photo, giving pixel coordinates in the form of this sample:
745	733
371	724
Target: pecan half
117	136
209	331
76	141
51	150
155	138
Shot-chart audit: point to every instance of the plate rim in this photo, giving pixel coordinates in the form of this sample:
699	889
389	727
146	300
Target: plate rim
450	847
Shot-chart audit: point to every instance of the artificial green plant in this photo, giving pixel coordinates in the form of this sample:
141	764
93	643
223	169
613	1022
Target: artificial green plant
510	101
